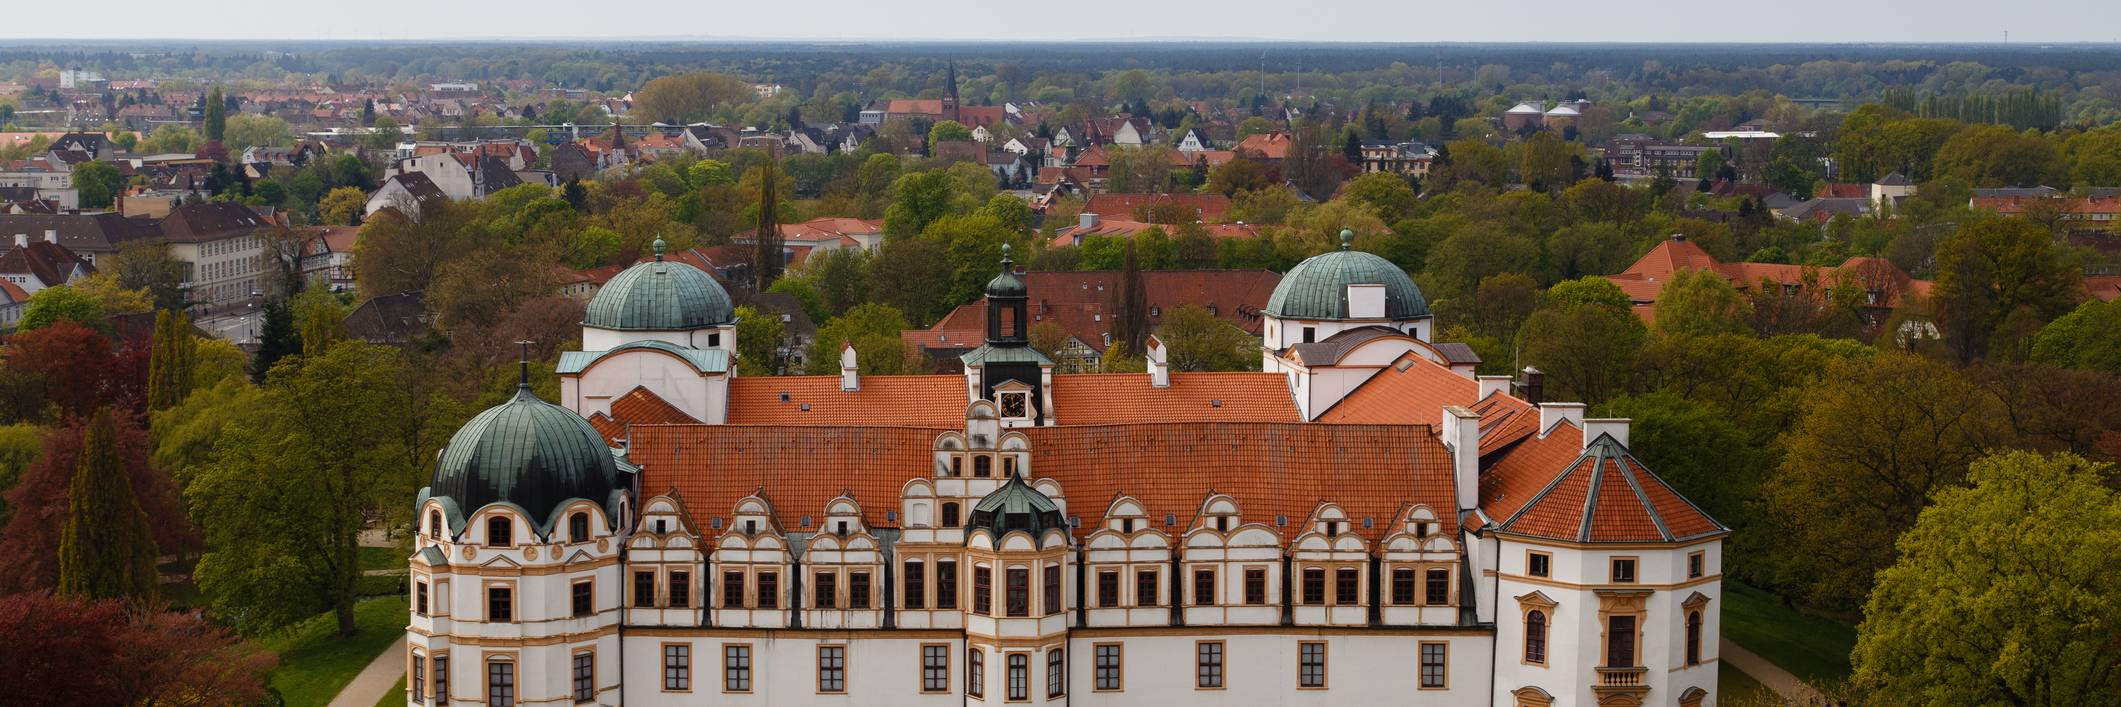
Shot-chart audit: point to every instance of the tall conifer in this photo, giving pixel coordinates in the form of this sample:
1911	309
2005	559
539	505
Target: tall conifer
106	550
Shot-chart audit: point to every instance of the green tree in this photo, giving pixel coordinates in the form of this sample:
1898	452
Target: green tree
216	114
106	550
766	261
246	131
758	342
841	277
918	199
947	131
342	206
1585	348
171	361
52	304
1696	302
1199	341
1991	268
689	97
140	265
1385	193
2004	592
98	183
913	276
1130	305
2088	337
873	330
277	337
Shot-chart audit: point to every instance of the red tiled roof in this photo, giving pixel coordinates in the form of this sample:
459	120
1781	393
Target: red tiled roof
1116	398
637	407
1844	191
1553	487
1208	208
1273	146
914	401
1080	302
2105	288
1643	280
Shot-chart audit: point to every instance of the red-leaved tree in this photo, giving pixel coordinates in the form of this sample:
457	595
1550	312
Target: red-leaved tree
65	652
29	545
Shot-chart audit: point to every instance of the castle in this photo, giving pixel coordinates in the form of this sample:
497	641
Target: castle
1364	521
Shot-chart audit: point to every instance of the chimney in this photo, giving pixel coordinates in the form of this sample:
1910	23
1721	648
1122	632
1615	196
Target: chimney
1490	385
1615	427
21	240
1159	364
1531	385
850	381
1461	435
1087	221
51	235
1551	414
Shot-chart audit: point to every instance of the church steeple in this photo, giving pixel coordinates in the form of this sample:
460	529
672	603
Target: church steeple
950	92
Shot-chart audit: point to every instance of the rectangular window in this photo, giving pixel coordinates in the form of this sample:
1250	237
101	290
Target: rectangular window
736	668
1208	665
1108	588
1050	599
500	683
500	605
1402	585
1256	586
677	667
1145	593
419	598
1623	570
585	677
1620	642
644	589
1203	586
1433	658
1695	565
419	678
1311	664
946	584
975	672
857	590
1437	585
584	599
1347	587
1018	587
1539	564
1056	673
916	581
935	667
769	590
441	680
681	590
832	669
982	590
1019	676
732	590
1105	672
825	592
1314	585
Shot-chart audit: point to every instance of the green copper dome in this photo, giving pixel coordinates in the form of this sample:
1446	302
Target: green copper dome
527	452
1016	506
1007	284
660	295
1317	288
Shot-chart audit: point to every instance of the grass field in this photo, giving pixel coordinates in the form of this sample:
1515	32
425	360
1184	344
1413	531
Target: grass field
314	664
1813	648
1734	687
381	558
395	697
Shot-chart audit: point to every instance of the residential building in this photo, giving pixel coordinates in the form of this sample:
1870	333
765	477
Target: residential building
34	265
223	247
327	257
1883	284
406	192
1645	159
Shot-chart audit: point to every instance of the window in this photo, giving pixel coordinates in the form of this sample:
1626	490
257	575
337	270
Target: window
1539	564
831	668
736	668
500	683
1019	678
950	515
1050	600
578	527
419	598
769	590
500	604
434	524
500	533
1056	673
1347	586
1203	586
1693	638
825	593
677	667
1310	334
1108	588
975	672
732	590
1437	584
1620	642
916	581
1694	565
982	590
1018	588
946	584
1402	585
1623	570
1256	585
1433	659
419	678
935	667
1314	585
983	466
1311	664
585	677
1535	637
1208	665
857	590
1145	593
584	598
1105	672
644	589
441	680
680	590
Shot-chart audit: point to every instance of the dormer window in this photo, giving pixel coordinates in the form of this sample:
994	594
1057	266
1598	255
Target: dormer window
578	527
500	532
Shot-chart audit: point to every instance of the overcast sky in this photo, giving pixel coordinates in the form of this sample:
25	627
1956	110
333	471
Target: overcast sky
1308	20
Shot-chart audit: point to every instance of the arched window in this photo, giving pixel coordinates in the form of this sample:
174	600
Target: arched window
578	527
499	532
1693	638
434	524
1535	637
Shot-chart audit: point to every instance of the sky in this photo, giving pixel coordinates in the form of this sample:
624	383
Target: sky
2027	21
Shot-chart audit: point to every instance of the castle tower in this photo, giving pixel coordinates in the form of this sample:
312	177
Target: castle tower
1006	370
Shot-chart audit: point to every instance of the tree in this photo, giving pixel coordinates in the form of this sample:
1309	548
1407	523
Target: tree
277	338
1696	302
758	342
292	483
918	199
947	131
1130	305
2088	337
689	97
766	263
216	114
42	504
106	551
75	369
53	304
1991	268
1387	194
140	265
1198	341
1584	347
144	655
873	331
99	184
342	206
171	361
2003	593
841	277
247	131
914	277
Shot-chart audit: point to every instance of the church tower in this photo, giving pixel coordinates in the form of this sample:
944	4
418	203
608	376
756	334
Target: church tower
950	92
1006	370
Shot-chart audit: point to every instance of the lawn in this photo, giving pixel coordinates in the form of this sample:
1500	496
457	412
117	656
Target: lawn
1812	648
1734	687
395	697
314	664
382	558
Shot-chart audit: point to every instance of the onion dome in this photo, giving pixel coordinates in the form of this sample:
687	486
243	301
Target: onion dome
1016	506
527	452
660	295
1317	288
1007	284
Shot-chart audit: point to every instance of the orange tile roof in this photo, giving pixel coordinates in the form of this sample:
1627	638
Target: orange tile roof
1115	398
914	401
1413	391
637	407
1209	208
2106	288
1553	487
1273	146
